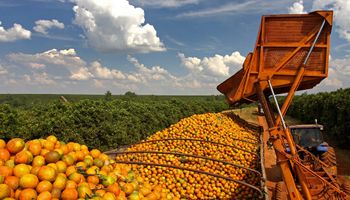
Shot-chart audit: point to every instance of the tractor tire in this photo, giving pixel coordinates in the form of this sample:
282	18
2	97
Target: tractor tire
329	157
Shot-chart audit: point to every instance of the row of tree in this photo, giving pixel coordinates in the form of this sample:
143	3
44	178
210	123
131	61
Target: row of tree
102	123
332	109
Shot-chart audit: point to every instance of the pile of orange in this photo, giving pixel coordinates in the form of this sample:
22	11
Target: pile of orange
209	142
50	169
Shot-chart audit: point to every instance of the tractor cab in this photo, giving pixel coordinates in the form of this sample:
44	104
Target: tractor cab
309	136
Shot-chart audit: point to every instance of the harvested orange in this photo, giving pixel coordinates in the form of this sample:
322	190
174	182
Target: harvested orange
21	169
5	171
28	194
44	186
12	181
4	154
5	191
47	173
28	181
52	157
46	195
15	145
69	194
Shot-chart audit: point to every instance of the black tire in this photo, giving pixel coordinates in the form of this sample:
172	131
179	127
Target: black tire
329	157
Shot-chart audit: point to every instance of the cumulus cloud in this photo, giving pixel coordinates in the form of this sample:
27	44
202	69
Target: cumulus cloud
3	70
297	8
42	26
17	32
341	10
111	25
165	4
217	65
105	73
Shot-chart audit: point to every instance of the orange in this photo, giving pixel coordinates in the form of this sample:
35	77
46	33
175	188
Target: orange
69	194
12	181
100	192
44	186
5	171
52	157
28	194
76	147
4	154
109	196
38	161
84	191
60	182
5	191
88	161
21	169
47	173
71	184
35	148
95	153
98	162
15	145
44	152
80	155
28	181
44	196
49	145
68	159
61	166
24	157
56	193
52	138
35	170
76	177
114	188
11	162
70	170
2	144
93	179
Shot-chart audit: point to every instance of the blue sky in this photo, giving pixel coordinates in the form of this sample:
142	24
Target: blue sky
146	46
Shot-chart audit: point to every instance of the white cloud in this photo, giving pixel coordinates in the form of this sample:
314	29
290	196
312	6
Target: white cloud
3	70
102	72
217	65
43	79
111	25
297	8
17	32
165	3
42	26
341	10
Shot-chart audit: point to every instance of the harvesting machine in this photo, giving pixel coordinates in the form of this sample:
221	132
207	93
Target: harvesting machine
291	53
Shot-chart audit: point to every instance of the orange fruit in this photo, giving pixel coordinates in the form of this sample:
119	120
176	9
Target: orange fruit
52	157
69	194
46	195
44	186
24	157
28	181
35	148
28	194
4	154
76	177
95	153
70	170
61	166
38	161
56	193
109	196
71	184
114	188
5	171
35	170
76	147
5	191
52	138
15	145
49	145
12	181
2	144
84	191
98	162
93	179
21	169
60	182
47	173
68	159
100	192
44	152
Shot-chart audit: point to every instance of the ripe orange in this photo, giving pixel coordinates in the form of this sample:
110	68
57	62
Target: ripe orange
5	191
35	148
35	170
5	171
95	153
60	182
52	138
44	186
69	194
93	179
114	188
47	173
15	145
2	144
38	161
28	181
52	157
68	159
61	166
84	191
12	182
56	193
109	196
46	195
71	184
28	194
24	157
21	169
49	145
76	177
4	154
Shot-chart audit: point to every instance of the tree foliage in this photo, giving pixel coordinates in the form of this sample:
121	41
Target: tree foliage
100	123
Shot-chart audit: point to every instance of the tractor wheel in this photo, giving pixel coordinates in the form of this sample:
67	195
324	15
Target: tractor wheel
329	157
